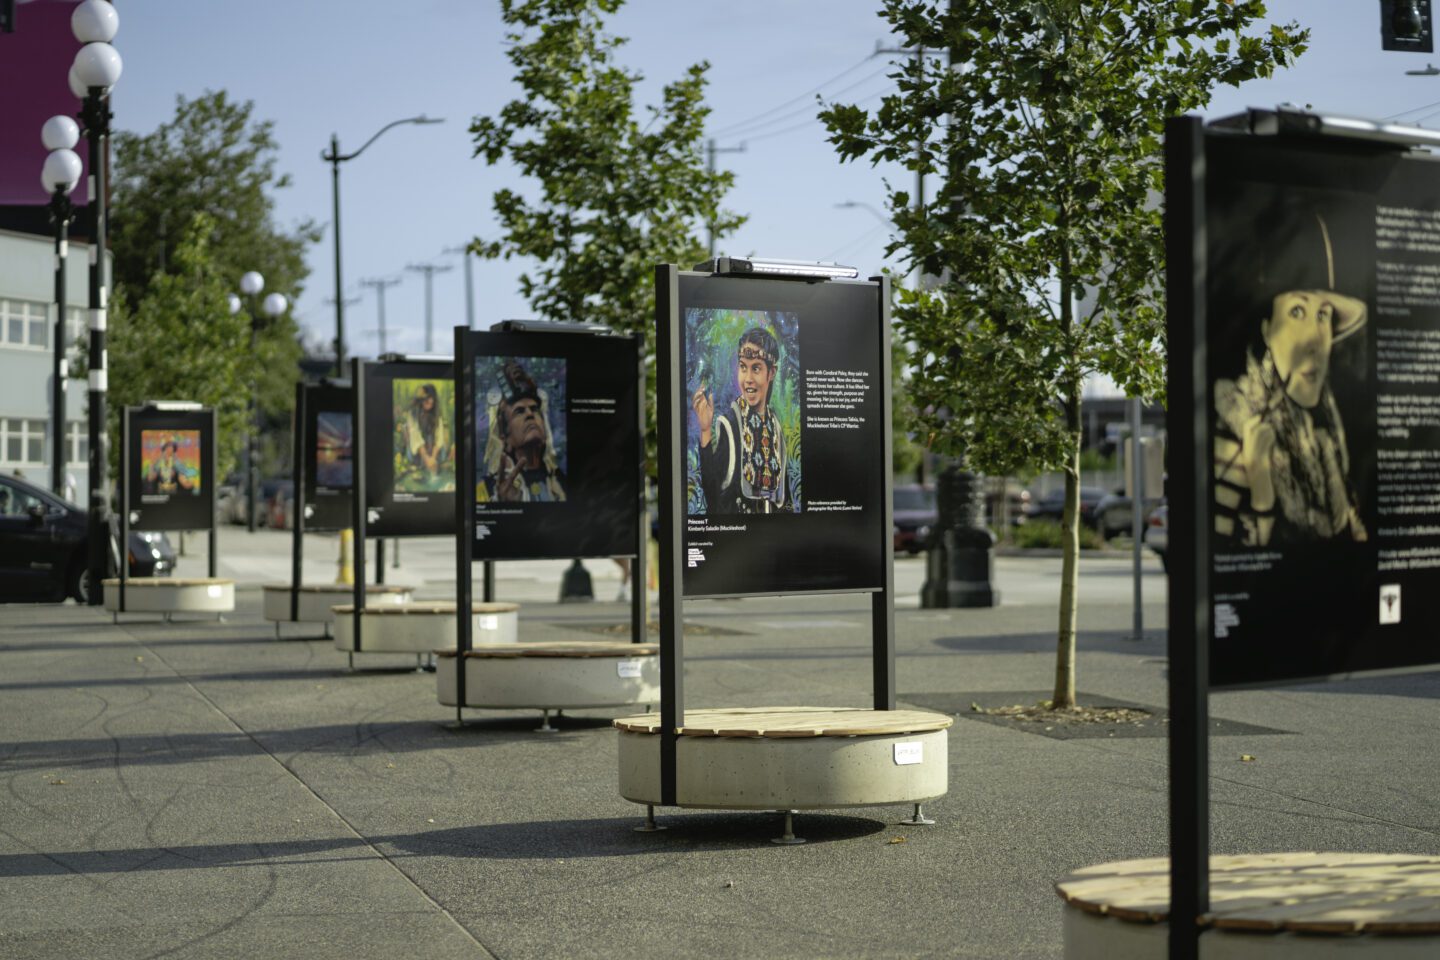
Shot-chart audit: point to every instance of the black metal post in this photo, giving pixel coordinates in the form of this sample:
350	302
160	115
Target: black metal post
122	493
357	511
297	522
639	575
487	586
882	603
212	470
334	157
61	212
1189	497
95	117
464	516
669	375
252	467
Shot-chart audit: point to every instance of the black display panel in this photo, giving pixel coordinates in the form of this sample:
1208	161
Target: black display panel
1322	395
785	444
168	483
554	432
409	459
329	456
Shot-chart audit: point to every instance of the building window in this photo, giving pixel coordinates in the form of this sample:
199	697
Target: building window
74	325
25	324
77	442
22	441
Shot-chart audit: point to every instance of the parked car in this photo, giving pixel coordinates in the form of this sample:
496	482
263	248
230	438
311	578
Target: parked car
1112	513
915	515
1157	534
43	552
1052	505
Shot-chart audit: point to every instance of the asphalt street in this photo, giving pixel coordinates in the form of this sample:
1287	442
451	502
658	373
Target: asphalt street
199	789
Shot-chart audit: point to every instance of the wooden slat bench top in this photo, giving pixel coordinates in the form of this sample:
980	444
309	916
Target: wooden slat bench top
344	588
426	609
1317	893
765	722
168	582
557	648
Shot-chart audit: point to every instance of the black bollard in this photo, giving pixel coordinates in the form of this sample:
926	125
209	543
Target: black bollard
575	584
960	556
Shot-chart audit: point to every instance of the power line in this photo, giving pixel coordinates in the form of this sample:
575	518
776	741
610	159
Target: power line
1396	116
790	114
725	131
805	123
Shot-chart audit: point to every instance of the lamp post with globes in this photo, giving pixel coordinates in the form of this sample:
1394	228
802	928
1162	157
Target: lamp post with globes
274	304
60	174
95	71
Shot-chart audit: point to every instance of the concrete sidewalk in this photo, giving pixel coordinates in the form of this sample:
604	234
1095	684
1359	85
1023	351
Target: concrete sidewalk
200	790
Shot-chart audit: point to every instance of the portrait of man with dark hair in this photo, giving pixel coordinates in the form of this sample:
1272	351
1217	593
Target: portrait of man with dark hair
1281	462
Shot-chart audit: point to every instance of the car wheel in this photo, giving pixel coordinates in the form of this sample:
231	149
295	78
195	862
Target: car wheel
80	582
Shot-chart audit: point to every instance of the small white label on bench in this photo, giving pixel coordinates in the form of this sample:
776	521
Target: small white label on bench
912	752
214	590
628	669
489	621
1390	603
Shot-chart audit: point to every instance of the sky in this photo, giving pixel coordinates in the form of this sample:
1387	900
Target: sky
320	68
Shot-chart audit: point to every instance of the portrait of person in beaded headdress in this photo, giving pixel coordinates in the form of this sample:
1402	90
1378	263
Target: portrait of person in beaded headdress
744	457
520	462
1282	466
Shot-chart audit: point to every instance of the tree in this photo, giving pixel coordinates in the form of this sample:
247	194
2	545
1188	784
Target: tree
615	198
1045	129
213	158
179	341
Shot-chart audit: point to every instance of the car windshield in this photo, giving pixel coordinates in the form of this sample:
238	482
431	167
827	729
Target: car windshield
914	498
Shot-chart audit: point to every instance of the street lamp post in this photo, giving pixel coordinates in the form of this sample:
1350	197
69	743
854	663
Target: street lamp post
60	175
95	71
429	270
251	285
334	157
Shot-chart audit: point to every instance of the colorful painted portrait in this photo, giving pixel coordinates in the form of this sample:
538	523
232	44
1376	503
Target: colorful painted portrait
742	392
334	450
170	462
424	446
520	429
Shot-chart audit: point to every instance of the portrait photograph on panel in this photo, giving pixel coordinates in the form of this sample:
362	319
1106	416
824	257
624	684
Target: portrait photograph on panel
169	465
742	375
1291	452
520	430
334	450
423	440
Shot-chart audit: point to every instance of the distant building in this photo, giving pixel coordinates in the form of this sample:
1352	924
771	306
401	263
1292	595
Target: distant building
27	322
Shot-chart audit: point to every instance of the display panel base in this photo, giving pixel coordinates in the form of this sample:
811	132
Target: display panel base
790	758
317	601
169	595
553	676
421	627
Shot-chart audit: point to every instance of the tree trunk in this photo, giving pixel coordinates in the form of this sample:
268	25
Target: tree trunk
1064	695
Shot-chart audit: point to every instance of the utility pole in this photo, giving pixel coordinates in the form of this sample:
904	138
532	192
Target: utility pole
429	270
379	285
711	149
918	54
464	252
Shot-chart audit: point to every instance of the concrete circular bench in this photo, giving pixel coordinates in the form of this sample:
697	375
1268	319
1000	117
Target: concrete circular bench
1286	906
318	600
549	675
170	595
421	628
790	758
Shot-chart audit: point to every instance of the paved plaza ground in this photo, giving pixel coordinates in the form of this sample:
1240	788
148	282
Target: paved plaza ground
198	789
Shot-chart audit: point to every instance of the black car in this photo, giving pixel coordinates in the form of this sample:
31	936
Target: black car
43	547
1052	505
915	516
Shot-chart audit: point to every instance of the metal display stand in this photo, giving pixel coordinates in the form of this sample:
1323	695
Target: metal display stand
672	505
123	492
1195	667
466	480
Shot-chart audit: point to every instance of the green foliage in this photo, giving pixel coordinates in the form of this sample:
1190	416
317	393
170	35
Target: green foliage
1047	534
906	454
212	158
179	341
1093	461
1045	137
616	196
1044	130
